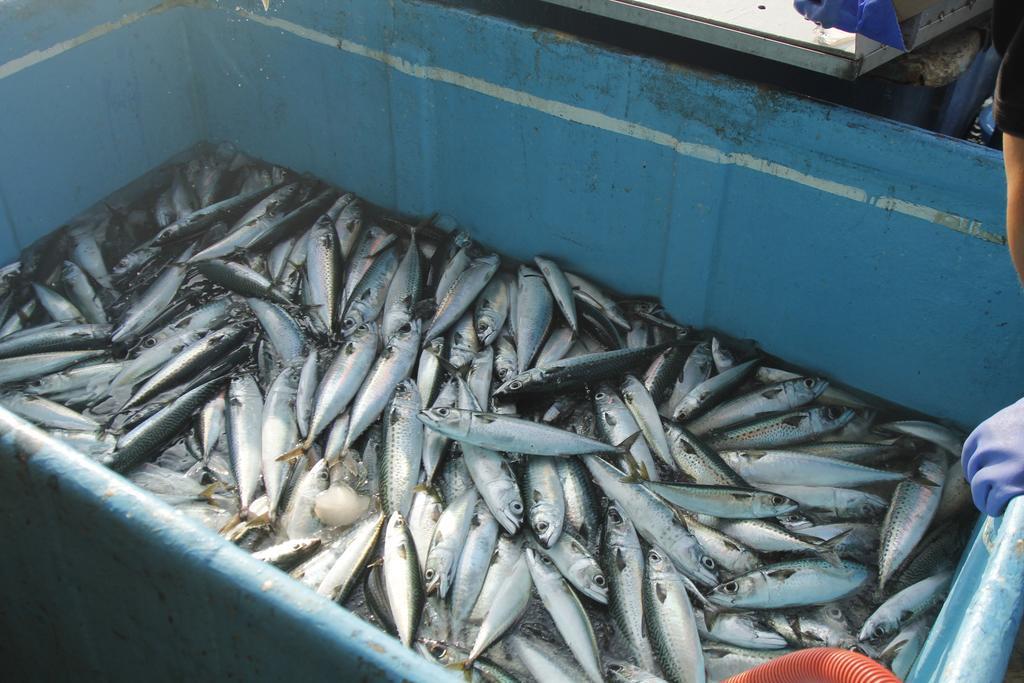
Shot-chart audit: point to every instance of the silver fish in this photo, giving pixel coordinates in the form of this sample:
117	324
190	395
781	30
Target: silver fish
402	578
244	416
566	611
670	621
402	452
534	311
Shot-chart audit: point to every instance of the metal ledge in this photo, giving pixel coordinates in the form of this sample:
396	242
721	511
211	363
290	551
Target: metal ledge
774	30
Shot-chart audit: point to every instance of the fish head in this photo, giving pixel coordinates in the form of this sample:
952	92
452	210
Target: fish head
542	569
589	577
618	529
546	523
520	383
437	572
808	388
406	335
878	627
509	512
407	394
486	328
451	422
732	592
767	504
353	319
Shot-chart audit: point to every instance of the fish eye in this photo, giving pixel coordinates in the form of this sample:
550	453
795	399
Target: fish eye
363	328
707	562
614	516
779	500
654	556
615	667
348	322
545	559
517	507
438	650
879	631
406	328
542	527
599	396
809	383
832	412
599	580
443	412
865	509
429	574
149	343
730	587
515	385
399	523
834	612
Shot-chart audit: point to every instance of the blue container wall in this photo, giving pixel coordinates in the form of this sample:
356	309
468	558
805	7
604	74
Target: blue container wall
868	250
92	95
861	248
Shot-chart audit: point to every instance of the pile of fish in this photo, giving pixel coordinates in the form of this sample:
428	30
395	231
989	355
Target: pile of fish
510	468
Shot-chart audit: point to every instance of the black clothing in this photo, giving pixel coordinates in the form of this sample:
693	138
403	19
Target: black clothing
1008	38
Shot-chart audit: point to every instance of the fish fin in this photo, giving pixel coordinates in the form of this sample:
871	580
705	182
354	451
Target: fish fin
795	420
771	393
235	520
465	666
207	493
692	589
627	443
451	369
711	614
781	574
827	549
634	471
293	454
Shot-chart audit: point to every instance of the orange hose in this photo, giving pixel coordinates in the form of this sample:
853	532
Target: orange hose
818	665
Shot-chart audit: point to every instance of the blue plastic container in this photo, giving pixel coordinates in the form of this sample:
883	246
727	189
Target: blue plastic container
867	250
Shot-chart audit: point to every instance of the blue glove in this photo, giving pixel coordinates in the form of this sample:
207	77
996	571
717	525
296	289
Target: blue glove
993	459
875	19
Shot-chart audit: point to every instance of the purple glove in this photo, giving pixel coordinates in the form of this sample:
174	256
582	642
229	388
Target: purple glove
993	459
875	19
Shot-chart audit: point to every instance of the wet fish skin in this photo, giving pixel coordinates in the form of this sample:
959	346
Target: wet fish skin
509	434
461	295
566	611
623	560
244	416
341	578
670	621
402	451
447	543
402	580
82	294
775	398
491	310
391	367
911	510
796	583
578	566
405	290
546	509
279	432
654	521
783	430
342	379
143	441
154	300
474	561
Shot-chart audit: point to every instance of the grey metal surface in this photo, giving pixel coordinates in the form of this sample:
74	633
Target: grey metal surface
774	30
